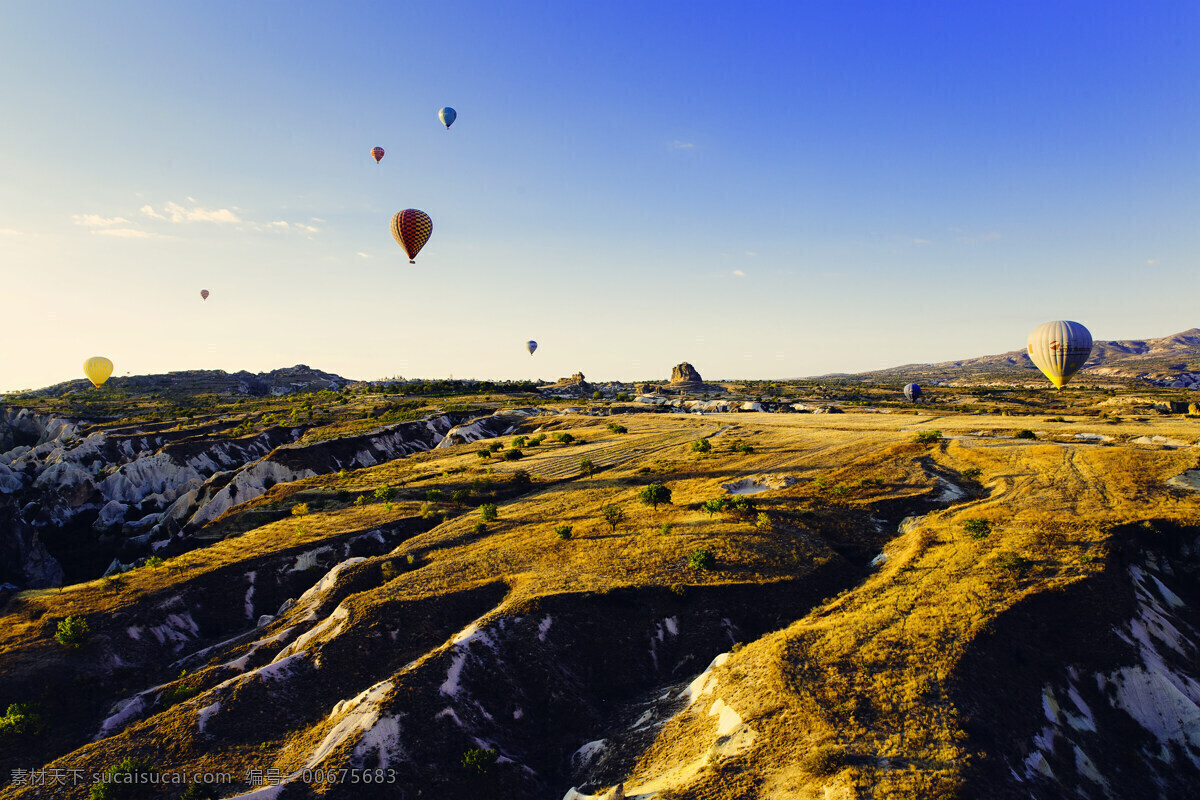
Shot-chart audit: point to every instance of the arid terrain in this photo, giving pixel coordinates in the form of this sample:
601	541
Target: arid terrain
994	594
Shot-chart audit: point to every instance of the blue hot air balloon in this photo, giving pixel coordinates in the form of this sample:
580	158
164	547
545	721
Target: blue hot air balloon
447	115
912	392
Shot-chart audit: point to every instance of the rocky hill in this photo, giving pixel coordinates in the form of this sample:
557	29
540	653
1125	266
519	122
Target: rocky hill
299	378
1167	361
482	601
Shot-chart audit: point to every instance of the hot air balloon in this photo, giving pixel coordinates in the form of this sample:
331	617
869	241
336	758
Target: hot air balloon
411	229
912	392
531	345
447	115
377	152
97	369
1059	349
204	294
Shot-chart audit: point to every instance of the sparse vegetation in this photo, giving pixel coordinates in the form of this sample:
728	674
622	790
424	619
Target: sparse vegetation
701	446
479	528
977	528
478	761
824	760
586	467
21	720
1025	434
488	512
563	531
72	632
121	781
928	437
714	506
300	509
385	493
617	428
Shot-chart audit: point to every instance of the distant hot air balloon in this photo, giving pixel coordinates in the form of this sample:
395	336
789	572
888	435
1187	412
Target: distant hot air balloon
913	392
97	369
204	294
411	229
447	115
531	345
1059	349
377	152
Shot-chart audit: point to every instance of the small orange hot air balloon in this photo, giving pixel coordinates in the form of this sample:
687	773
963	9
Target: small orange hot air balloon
378	153
204	294
411	230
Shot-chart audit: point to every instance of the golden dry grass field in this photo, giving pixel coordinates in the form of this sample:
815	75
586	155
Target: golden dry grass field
845	681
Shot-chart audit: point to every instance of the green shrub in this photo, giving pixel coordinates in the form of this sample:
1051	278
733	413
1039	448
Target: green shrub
563	531
177	694
113	788
488	512
1014	563
360	501
496	447
513	455
565	438
21	720
742	506
613	515
972	473
664	529
435	495
928	437
587	467
480	528
460	496
597	395
763	521
623	397
518	442
385	493
824	760
154	562
701	446
654	494
483	453
535	441
300	509
478	761
713	506
701	559
1025	434
72	632
617	428
977	528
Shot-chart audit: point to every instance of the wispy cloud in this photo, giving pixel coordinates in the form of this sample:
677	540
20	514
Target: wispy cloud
680	145
150	212
739	273
178	213
751	253
125	233
362	255
921	241
9	232
97	221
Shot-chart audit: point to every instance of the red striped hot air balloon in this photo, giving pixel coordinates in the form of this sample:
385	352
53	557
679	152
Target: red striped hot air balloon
411	229
377	152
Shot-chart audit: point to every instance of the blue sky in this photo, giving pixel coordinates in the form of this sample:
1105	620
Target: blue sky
762	189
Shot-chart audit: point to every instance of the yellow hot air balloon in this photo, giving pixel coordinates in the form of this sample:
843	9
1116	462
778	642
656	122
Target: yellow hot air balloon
1059	349
97	369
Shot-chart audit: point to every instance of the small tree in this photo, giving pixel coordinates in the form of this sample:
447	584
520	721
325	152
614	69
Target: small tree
763	521
480	528
563	531
1027	434
519	442
713	506
597	395
113	787
701	446
586	467
617	428
21	720
565	438
435	495
623	397
513	455
488	512
460	496
496	447
360	501
385	493
300	509
72	632
654	494
928	437
483	453
701	559
154	562
613	515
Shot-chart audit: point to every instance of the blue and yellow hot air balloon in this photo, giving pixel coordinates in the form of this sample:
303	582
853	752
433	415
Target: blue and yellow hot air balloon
447	115
912	392
531	345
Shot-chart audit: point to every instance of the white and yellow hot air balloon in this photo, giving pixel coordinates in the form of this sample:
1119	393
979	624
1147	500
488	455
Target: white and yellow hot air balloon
97	369
1059	349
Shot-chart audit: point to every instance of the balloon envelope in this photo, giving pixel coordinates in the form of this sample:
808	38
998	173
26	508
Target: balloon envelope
97	369
531	345
204	294
447	115
912	391
1059	349
411	230
377	153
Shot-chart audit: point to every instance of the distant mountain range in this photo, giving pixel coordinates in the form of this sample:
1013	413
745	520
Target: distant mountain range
1164	362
